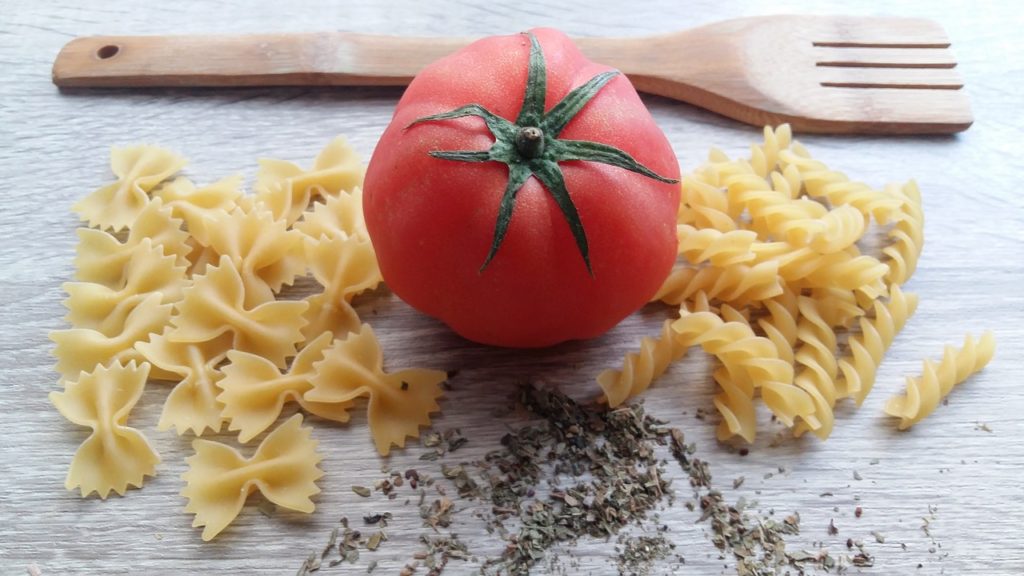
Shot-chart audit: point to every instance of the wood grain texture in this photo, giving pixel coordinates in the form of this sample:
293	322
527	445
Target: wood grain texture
759	70
53	150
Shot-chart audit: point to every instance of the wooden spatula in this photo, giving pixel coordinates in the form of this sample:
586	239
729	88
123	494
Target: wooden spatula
836	74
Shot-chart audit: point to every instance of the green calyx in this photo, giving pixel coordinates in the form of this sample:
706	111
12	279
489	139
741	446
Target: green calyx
530	147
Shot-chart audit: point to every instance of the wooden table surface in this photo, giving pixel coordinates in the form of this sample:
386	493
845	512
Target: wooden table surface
961	467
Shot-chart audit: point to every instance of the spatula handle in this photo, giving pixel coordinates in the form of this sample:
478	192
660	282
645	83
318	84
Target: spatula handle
308	59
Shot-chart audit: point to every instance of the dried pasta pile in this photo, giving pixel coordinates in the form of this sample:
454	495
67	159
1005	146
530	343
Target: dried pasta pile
772	280
183	284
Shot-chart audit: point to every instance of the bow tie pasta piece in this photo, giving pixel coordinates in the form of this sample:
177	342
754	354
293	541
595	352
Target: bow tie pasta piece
215	304
266	253
138	169
339	216
344	267
936	381
81	349
104	308
199	207
399	402
102	258
200	258
286	189
114	456
255	391
219	479
192	404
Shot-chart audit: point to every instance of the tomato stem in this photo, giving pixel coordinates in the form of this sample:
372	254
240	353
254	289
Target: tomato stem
530	142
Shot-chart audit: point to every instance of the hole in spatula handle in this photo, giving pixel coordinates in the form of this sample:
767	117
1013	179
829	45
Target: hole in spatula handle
107	52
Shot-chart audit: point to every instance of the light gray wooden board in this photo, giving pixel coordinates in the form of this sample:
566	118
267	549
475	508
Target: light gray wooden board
53	150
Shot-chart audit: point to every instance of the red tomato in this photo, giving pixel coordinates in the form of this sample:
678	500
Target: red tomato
582	237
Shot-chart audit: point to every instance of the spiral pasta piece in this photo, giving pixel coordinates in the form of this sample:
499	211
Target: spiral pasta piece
752	361
641	368
719	248
867	348
837	189
764	159
817	376
834	231
936	381
704	205
737	284
781	325
907	235
838	307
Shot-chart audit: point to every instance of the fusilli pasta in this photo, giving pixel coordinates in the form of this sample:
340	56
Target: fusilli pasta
936	381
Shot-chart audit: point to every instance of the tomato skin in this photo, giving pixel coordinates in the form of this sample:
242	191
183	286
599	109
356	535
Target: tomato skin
432	220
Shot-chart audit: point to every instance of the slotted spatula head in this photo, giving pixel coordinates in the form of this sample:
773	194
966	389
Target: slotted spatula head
820	73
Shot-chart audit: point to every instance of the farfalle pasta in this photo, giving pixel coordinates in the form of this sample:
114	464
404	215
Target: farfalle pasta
219	479
200	207
255	391
338	216
192	404
344	267
936	381
191	295
114	456
399	402
286	189
215	304
772	280
104	307
101	258
82	349
139	169
264	251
